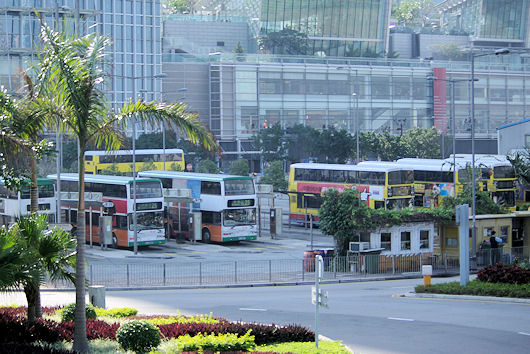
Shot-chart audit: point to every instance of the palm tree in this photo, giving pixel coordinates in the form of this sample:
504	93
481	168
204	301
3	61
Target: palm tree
72	68
14	271
49	253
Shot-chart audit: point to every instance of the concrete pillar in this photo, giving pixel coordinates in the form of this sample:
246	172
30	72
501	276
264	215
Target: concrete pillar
96	295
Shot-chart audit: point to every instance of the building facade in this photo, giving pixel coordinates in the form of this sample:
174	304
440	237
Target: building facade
514	137
132	25
253	92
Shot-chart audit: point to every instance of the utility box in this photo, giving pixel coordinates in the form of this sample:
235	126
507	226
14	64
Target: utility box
275	221
195	226
96	294
105	230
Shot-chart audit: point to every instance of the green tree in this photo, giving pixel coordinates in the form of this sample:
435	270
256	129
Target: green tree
178	6
287	41
239	167
344	216
175	167
271	143
207	166
49	253
483	202
112	170
238	49
147	166
413	12
275	175
421	143
336	146
383	145
302	142
521	164
14	270
73	70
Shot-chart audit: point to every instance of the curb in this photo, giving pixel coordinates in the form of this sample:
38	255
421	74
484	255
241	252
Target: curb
467	297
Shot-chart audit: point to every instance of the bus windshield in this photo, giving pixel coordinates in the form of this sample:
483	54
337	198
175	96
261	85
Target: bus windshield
147	221
239	187
147	190
234	217
400	177
503	172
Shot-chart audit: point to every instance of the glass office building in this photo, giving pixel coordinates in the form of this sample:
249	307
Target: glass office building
374	94
333	28
132	25
487	20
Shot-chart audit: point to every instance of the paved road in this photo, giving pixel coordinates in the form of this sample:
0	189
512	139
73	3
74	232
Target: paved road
368	316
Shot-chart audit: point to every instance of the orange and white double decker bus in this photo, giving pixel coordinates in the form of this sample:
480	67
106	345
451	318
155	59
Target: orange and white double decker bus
388	187
118	202
227	203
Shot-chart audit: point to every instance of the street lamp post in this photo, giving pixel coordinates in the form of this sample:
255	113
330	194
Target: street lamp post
453	121
133	120
354	95
501	51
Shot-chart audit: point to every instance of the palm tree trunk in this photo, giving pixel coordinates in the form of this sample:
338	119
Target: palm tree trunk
34	208
33	189
80	338
31	298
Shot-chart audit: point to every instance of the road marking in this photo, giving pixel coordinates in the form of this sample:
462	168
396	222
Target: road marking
523	333
251	309
401	319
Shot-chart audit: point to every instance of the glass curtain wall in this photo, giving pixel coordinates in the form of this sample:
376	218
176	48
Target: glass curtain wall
332	27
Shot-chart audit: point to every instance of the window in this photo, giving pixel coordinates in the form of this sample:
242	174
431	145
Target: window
211	218
220	44
233	217
424	239
527	141
386	240
208	187
239	187
405	240
451	242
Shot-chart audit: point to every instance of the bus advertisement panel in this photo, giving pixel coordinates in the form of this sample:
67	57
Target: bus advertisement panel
14	204
227	203
118	202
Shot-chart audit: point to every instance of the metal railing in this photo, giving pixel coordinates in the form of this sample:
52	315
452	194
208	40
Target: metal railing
246	272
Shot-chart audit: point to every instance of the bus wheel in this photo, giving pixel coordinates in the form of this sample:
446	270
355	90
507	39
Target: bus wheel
206	236
114	241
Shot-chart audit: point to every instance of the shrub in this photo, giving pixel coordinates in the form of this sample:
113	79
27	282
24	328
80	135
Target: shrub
138	336
480	288
500	273
117	312
211	342
182	319
68	312
263	334
31	348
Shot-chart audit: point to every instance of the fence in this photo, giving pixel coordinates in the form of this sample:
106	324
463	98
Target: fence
245	272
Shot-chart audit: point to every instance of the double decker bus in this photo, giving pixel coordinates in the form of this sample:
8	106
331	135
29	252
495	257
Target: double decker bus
227	204
433	179
389	187
14	204
498	177
118	202
120	161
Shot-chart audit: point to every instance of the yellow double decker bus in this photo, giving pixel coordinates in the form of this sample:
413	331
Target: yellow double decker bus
119	162
388	187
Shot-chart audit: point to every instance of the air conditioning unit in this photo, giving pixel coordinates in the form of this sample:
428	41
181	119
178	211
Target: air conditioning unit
359	246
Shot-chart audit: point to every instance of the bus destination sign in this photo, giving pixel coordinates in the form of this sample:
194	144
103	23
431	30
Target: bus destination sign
148	206
240	203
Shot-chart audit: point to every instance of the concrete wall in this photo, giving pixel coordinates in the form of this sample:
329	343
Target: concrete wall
428	40
189	83
513	137
401	43
203	37
413	228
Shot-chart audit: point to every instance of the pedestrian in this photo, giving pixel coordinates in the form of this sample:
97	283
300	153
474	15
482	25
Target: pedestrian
494	244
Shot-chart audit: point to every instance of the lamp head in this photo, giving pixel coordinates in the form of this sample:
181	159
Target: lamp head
502	51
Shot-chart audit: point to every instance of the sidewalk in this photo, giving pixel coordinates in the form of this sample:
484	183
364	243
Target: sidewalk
292	243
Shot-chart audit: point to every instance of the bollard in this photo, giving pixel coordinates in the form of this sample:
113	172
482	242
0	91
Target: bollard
96	294
426	271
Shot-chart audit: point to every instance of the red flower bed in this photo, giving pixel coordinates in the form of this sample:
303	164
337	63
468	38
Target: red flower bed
500	273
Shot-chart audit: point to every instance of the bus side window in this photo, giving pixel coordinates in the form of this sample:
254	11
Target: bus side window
121	222
216	218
